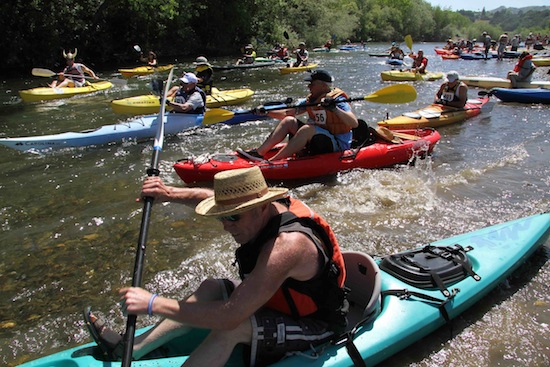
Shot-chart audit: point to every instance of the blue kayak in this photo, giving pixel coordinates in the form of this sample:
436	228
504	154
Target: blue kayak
398	302
394	62
140	128
477	56
522	95
144	127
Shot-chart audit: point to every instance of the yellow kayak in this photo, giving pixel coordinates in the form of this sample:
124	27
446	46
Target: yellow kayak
144	70
402	76
296	69
437	115
541	61
149	104
47	93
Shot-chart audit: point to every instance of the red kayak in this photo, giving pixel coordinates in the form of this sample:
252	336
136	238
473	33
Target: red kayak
406	145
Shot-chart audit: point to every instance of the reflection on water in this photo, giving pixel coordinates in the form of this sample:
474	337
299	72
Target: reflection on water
70	221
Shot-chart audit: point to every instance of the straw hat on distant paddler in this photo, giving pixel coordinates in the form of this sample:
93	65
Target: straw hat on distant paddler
237	191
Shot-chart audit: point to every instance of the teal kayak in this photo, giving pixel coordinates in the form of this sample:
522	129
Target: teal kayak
402	303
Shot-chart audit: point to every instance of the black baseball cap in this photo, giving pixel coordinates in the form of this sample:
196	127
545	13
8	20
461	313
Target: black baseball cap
321	75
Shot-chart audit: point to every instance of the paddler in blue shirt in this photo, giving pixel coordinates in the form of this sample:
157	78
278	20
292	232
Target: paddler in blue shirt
328	127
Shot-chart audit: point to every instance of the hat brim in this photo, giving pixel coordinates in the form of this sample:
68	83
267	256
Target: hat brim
208	207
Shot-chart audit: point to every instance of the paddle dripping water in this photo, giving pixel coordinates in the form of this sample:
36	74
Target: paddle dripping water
70	221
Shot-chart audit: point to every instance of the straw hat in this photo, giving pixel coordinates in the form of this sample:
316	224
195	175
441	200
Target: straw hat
237	191
387	135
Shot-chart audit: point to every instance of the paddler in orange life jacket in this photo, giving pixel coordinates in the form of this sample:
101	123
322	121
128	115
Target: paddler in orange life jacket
453	92
523	70
282	53
328	127
73	74
290	296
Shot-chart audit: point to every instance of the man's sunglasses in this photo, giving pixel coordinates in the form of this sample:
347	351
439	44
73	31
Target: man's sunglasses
230	218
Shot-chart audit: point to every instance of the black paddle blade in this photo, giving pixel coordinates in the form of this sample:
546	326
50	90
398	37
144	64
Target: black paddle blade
157	85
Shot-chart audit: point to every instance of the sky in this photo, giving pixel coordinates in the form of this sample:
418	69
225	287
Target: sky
477	5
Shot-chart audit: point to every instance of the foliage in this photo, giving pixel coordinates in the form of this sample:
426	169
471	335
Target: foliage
35	32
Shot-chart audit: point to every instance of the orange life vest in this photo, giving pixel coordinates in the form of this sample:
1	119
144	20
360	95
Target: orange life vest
323	296
325	118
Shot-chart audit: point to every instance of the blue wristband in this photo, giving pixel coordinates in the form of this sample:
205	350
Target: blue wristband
150	306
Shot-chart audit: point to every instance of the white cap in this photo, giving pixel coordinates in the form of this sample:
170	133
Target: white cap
189	78
452	76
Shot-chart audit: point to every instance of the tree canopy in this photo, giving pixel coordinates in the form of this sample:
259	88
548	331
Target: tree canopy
35	32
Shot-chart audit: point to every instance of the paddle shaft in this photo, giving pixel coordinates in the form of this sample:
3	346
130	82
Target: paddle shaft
399	93
355	99
144	229
487	107
46	73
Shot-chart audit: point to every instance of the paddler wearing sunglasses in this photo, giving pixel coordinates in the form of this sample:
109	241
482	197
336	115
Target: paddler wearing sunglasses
291	269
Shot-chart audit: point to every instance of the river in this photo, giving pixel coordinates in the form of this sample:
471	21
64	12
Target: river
70	220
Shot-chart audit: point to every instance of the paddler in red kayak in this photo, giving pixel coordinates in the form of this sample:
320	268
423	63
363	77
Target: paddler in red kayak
73	74
328	127
290	296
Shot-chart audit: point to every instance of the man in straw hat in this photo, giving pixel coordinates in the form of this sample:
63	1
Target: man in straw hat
73	74
453	92
328	128
290	295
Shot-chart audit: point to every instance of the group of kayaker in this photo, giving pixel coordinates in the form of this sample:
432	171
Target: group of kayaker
281	253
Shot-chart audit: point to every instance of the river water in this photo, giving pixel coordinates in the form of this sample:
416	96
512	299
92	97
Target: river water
70	221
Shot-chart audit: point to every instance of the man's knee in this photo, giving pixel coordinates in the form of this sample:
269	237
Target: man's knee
211	289
242	334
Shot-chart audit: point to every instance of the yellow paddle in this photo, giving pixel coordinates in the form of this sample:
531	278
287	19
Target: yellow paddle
47	73
398	93
409	42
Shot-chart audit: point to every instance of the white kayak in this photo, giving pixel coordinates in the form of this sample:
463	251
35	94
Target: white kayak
492	82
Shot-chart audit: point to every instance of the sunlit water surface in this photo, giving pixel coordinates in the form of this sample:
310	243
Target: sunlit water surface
70	221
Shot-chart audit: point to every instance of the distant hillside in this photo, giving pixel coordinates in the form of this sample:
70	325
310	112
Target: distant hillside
517	10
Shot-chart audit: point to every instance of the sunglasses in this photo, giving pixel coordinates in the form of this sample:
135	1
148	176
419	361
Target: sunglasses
230	218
